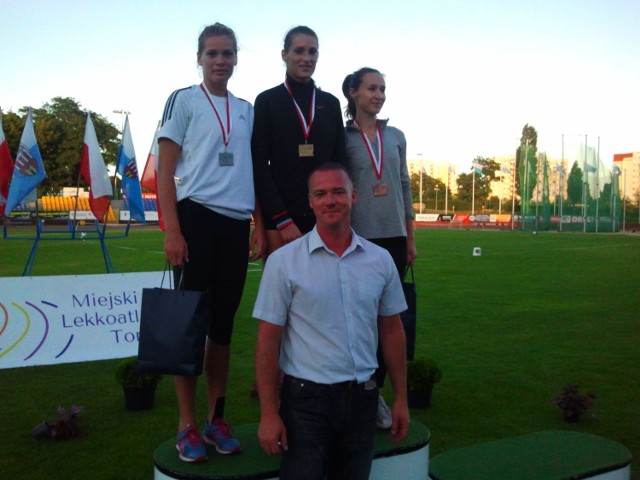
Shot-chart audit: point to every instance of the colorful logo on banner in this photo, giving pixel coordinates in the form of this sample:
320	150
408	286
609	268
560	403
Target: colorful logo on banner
63	319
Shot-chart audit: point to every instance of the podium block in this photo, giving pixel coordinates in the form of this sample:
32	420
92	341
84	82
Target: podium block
407	460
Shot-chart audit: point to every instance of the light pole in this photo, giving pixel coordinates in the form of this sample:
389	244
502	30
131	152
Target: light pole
123	114
436	188
446	191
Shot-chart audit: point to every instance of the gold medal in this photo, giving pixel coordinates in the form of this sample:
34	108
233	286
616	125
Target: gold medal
305	150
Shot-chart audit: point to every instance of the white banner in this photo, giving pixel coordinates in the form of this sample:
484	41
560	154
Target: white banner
426	217
74	318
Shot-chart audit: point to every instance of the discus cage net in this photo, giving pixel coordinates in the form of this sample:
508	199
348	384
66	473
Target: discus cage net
576	193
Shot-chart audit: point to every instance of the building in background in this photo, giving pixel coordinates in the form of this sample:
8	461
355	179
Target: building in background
629	165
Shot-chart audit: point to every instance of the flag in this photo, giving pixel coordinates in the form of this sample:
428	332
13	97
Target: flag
94	172
505	169
127	167
28	171
6	168
149	178
590	169
477	167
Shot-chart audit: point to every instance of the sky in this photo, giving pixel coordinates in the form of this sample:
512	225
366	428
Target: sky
463	76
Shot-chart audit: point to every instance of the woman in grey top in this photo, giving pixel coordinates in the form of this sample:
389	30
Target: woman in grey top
376	157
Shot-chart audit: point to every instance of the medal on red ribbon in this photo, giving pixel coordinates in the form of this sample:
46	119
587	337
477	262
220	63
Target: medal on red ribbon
225	158
377	161
305	149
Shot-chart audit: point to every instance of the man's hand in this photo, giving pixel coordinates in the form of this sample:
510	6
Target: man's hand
272	434
399	421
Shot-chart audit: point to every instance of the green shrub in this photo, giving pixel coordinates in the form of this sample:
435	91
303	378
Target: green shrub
128	375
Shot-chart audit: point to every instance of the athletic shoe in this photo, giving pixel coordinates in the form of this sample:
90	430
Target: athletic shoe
190	447
219	434
383	419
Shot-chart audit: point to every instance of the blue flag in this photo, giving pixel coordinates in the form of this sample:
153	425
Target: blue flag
28	170
128	170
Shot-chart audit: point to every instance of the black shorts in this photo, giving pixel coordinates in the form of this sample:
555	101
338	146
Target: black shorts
218	259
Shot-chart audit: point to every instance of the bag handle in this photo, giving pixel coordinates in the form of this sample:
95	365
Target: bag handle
408	268
167	267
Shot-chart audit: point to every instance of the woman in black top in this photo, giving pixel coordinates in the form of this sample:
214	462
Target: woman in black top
296	128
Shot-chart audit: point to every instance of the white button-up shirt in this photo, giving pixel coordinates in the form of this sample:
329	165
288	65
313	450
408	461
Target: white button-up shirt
329	306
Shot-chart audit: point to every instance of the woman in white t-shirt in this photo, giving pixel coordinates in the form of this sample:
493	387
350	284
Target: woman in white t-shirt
206	193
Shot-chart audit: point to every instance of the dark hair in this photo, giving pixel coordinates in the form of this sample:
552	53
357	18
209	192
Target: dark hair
299	30
353	80
329	166
216	30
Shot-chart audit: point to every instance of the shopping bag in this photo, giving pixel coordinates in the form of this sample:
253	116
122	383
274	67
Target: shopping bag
173	329
408	317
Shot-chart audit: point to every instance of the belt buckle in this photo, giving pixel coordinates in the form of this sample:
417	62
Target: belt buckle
370	385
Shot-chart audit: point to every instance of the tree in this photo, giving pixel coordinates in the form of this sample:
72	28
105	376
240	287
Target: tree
482	181
429	185
575	185
59	127
526	165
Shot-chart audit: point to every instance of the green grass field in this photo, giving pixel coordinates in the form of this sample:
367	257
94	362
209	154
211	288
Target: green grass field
509	328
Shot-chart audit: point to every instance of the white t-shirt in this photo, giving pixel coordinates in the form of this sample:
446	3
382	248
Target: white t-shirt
190	121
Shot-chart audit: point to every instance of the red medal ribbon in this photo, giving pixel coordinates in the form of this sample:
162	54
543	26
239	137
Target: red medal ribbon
225	135
378	161
306	129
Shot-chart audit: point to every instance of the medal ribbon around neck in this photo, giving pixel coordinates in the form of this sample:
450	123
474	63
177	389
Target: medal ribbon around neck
376	161
225	135
306	129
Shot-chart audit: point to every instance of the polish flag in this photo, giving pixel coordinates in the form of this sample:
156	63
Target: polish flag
149	179
94	172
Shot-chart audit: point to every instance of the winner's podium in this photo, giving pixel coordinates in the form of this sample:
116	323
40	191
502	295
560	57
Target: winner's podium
407	460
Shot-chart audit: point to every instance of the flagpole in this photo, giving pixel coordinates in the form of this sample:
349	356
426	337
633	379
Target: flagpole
123	115
473	192
421	169
446	192
75	208
624	202
598	185
537	190
513	194
560	180
525	200
584	188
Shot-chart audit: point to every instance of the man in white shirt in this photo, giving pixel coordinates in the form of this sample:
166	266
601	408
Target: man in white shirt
324	300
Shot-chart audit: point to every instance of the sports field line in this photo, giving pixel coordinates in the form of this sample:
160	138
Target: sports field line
592	247
136	249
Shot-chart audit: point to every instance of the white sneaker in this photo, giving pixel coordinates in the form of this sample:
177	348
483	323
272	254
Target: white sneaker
383	419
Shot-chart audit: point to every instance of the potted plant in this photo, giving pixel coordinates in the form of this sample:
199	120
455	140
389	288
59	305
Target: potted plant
573	403
139	387
422	375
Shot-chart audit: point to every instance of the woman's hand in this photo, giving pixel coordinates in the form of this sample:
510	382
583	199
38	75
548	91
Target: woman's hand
290	233
175	248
